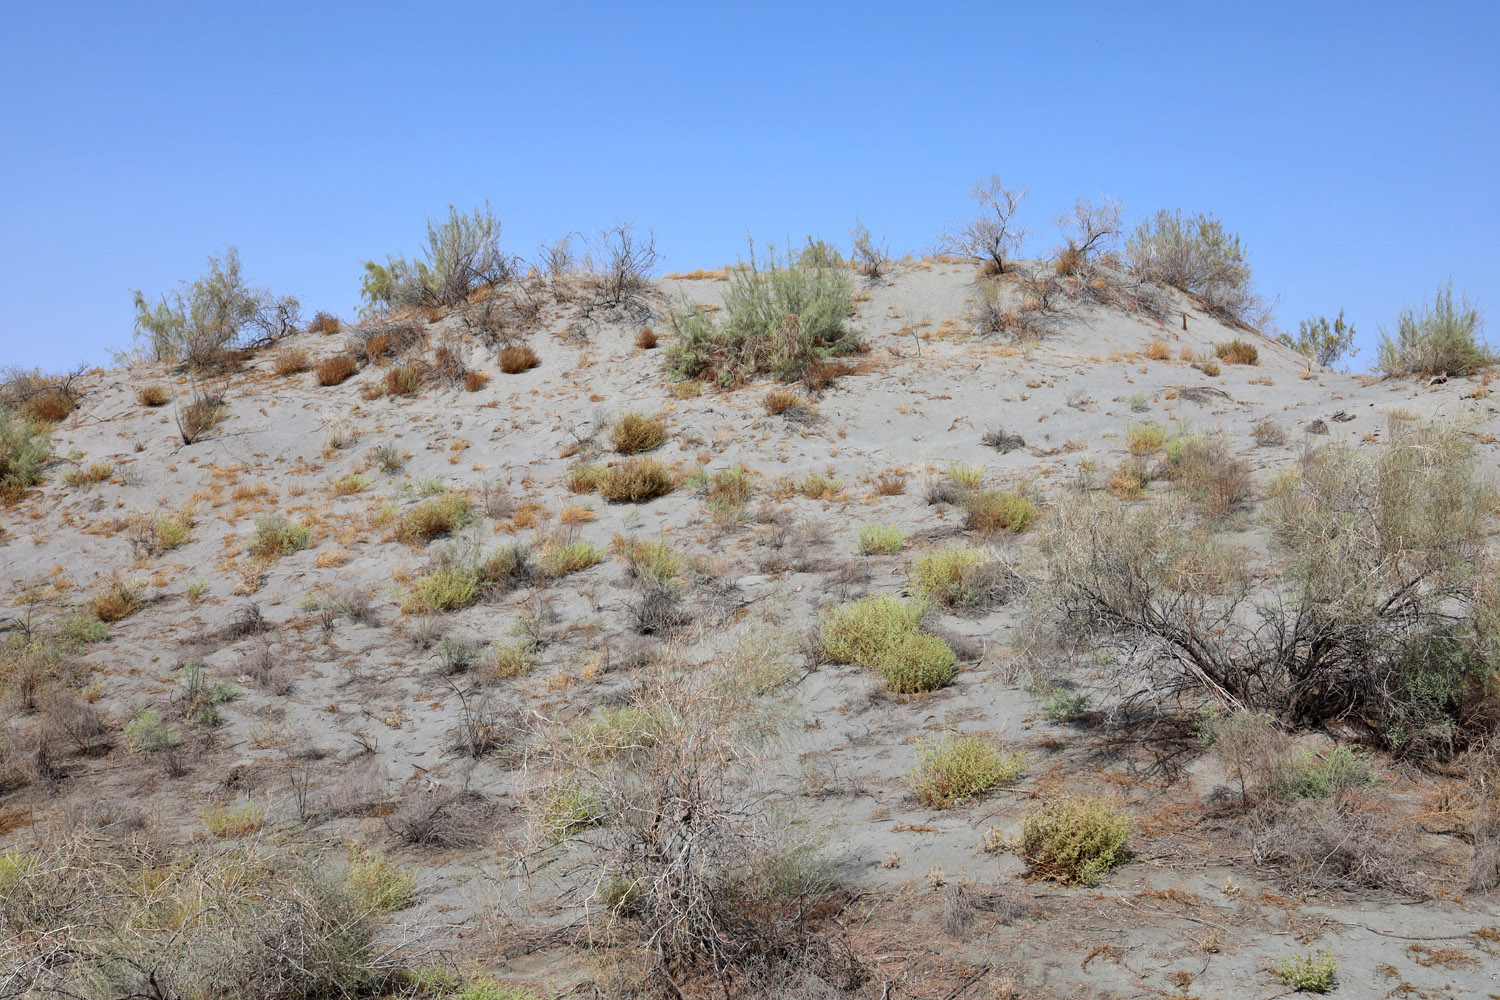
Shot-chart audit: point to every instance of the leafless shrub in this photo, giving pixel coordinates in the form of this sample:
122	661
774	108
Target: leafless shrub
203	412
870	257
992	237
440	816
658	610
1268	433
69	717
1002	441
1089	233
619	279
1341	844
482	728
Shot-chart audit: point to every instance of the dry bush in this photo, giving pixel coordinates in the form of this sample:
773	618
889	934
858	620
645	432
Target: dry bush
1157	350
636	480
632	433
996	510
890	483
119	599
1210	473
954	769
290	361
441	816
645	339
91	918
324	323
1344	843
1378	608
47	407
377	342
153	395
781	400
476	380
1237	352
619	268
1268	433
203	412
514	360
689	859
403	380
992	237
332	371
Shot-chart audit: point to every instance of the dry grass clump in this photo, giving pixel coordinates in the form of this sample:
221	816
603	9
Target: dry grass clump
153	395
350	484
332	371
48	407
781	400
88	475
585	477
816	486
236	820
954	769
890	483
1145	438
476	380
562	558
1129	480
290	361
517	359
636	480
404	380
119	599
1237	352
632	433
998	510
1073	840
154	534
204	412
962	576
1157	350
645	339
276	536
441	515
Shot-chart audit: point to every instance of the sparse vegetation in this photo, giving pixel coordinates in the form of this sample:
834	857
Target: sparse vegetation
998	510
636	480
203	412
881	539
632	433
961	576
462	255
954	769
1196	254
569	557
1322	342
25	448
276	536
441	515
994	235
1237	352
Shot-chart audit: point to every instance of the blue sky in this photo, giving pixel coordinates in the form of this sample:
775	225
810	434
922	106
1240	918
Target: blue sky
1352	146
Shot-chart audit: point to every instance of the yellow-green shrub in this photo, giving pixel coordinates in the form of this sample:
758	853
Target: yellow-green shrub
955	768
1074	839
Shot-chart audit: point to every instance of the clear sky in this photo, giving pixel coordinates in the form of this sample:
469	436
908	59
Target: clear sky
1353	146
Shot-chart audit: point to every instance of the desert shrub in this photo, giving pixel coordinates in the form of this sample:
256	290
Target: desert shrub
1311	973
1210	473
88	475
236	820
859	632
916	662
645	339
569	557
1440	338
462	255
1320	341
1237	352
870	257
944	575
727	489
147	733
1378	609
25	447
476	380
781	400
1157	351
351	483
205	411
1073	840
1196	254
994	235
819	253
200	324
517	359
881	539
1209	368
1268	433
511	659
652	561
119	599
332	371
376	883
966	477
442	515
956	768
1145	438
324	323
619	268
890	483
636	480
403	380
276	536
1318	776
777	319
634	432
241	923
445	588
998	510
290	361
1090	233
585	477
154	394
1063	705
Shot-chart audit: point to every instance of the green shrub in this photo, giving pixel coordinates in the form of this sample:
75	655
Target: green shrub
727	489
146	733
24	449
1063	705
441	515
916	663
1076	840
1318	777
652	561
777	318
276	536
1320	341
570	557
1196	254
1314	973
512	659
881	539
447	588
1441	338
942	575
956	768
217	313
376	883
966	477
860	631
1145	438
462	255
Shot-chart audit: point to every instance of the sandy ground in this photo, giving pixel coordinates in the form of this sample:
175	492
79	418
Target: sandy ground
363	711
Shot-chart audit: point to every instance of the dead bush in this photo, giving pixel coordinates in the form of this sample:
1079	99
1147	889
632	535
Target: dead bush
645	339
440	816
994	235
203	412
403	380
475	380
153	395
1344	843
514	360
1268	433
324	323
332	371
290	361
1237	352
